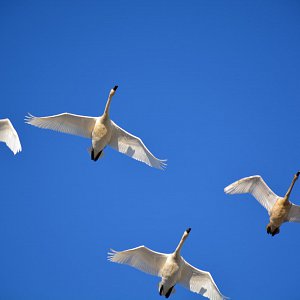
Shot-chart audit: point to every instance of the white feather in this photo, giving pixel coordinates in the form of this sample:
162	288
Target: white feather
141	258
133	146
9	136
65	122
294	214
200	282
256	186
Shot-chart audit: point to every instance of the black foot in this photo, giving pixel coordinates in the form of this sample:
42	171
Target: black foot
92	154
276	231
97	157
268	229
169	292
161	290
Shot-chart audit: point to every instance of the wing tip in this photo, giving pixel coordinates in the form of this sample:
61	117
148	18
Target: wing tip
162	164
29	118
228	189
111	254
16	151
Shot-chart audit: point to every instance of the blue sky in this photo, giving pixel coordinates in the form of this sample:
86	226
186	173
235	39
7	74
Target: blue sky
213	86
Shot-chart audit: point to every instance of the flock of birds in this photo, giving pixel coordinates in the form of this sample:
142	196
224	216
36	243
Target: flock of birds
172	268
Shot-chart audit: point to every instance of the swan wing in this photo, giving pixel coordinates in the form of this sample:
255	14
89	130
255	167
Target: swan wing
141	258
65	122
256	186
133	146
200	282
9	136
294	214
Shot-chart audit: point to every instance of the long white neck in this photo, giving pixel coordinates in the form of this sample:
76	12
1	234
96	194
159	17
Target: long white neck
287	195
107	106
184	237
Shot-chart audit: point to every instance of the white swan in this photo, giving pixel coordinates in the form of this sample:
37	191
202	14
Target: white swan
172	268
280	209
103	131
9	136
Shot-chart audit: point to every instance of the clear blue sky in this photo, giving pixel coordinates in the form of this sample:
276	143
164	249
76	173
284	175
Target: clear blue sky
213	86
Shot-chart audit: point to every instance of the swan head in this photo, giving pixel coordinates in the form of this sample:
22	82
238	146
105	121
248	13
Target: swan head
187	232
113	90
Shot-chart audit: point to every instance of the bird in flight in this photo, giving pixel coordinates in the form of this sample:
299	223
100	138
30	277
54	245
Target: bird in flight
172	268
280	209
102	131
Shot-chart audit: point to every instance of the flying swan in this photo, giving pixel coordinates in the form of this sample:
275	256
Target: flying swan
9	136
172	268
103	131
280	209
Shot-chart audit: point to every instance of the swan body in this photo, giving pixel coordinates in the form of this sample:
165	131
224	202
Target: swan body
101	134
102	131
280	209
172	268
9	136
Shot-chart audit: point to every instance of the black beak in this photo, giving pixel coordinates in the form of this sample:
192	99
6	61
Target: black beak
115	88
188	230
298	173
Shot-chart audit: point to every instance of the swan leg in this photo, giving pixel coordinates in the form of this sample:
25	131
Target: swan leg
161	290
92	154
93	157
98	155
276	231
268	229
169	292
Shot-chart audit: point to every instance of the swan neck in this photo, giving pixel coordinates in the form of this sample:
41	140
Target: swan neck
107	106
178	249
287	195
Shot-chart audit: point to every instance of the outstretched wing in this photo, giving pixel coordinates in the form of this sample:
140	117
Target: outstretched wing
9	136
133	146
200	282
141	258
67	123
256	186
294	214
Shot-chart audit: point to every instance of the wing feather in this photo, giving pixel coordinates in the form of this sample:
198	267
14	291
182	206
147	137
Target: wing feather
141	258
9	136
65	122
256	186
200	282
294	214
133	146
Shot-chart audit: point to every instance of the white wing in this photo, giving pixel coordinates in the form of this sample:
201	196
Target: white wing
200	282
9	136
256	186
294	214
67	123
133	146
141	258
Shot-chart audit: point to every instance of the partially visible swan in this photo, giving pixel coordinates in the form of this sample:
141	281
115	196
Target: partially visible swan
280	209
172	268
103	131
9	136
